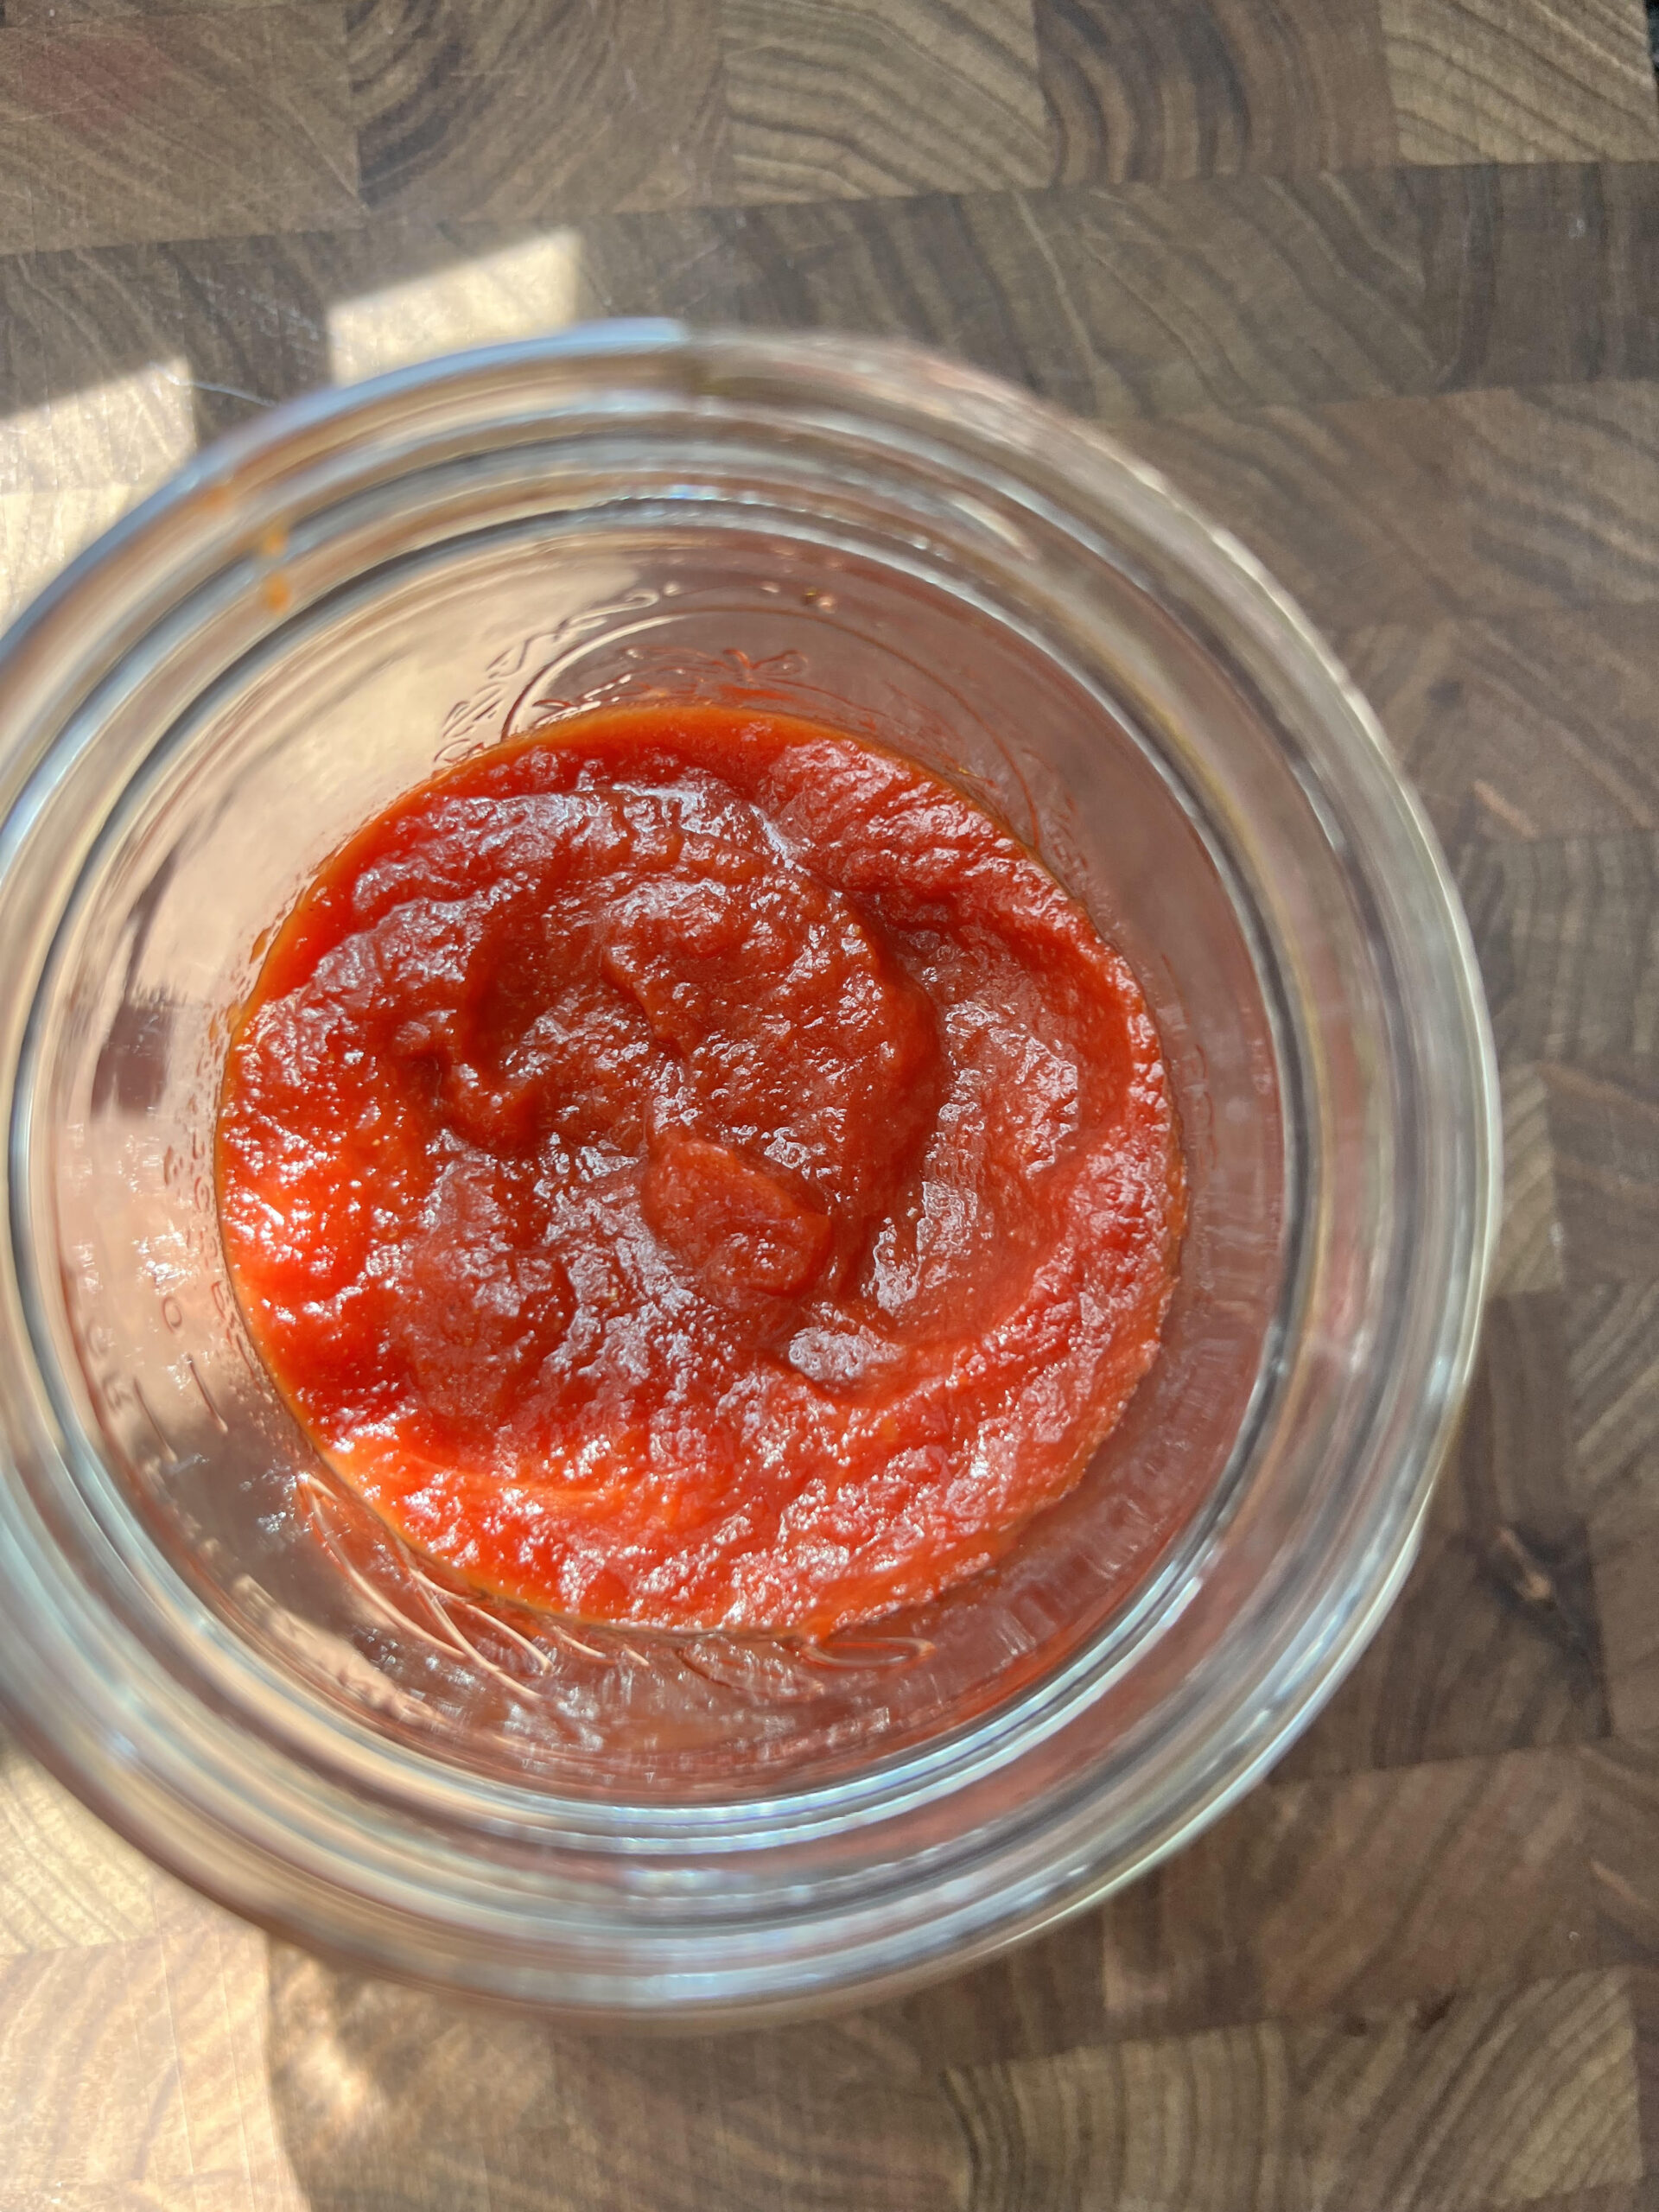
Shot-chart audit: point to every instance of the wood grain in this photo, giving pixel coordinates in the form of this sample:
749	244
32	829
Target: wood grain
385	2096
195	2193
215	1975
1202	2121
1046	1996
128	431
1169	89
862	99
1621	1786
1520	80
1521	727
1138	301
1289	1907
1256	293
1173	299
1544	274
532	110
109	338
174	127
60	15
1614	1412
65	1883
1495	1643
1613	1376
1557	486
1644	1988
88	2068
1568	935
1603	1123
1617	2196
1528	1257
1134	302
1494	2100
1623	1528
1354	505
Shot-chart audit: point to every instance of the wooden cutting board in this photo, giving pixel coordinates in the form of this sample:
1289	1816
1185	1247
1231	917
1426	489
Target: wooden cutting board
1377	281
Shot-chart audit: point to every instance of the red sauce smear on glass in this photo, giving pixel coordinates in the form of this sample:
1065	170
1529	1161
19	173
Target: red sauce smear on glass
694	1168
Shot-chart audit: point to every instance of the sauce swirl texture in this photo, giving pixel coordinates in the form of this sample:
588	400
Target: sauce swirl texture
695	1169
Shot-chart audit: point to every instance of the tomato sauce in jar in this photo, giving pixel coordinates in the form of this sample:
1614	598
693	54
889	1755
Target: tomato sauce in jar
695	1168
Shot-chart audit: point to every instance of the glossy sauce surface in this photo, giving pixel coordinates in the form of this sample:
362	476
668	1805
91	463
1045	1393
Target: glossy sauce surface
695	1169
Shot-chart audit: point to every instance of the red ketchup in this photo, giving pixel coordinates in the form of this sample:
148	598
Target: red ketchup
694	1168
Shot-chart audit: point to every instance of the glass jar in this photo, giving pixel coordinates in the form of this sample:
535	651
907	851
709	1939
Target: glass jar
224	1653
